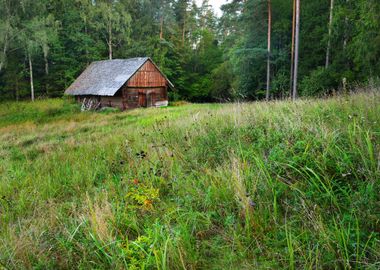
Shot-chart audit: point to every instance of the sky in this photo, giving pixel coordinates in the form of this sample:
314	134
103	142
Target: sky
216	4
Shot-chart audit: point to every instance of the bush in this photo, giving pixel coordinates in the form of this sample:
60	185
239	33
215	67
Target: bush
280	85
320	82
221	87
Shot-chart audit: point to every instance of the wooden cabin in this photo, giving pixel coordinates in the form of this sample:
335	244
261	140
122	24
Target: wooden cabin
122	83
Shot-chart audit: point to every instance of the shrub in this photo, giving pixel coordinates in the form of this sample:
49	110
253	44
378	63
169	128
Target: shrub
320	82
280	85
221	86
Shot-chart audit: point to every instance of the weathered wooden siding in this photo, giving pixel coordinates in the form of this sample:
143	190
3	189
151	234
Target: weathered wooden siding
116	102
129	98
147	76
144	97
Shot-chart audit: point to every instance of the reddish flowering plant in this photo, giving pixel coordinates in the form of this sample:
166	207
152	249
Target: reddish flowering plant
142	196
148	204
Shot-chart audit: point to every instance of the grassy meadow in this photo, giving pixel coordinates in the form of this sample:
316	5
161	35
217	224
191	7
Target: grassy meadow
277	185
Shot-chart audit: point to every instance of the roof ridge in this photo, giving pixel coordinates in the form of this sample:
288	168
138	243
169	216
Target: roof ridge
121	59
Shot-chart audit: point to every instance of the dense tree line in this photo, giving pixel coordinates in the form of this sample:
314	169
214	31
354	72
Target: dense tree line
244	54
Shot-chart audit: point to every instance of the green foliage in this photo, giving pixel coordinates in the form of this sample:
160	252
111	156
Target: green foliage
280	84
136	253
191	186
142	196
222	80
320	81
207	58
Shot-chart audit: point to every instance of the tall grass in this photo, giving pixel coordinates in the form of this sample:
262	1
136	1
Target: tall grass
276	185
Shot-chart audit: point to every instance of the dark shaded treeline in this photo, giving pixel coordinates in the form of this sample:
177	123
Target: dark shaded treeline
45	44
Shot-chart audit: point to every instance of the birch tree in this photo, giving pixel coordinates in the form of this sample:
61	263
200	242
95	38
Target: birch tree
329	34
113	22
45	36
48	35
4	41
7	30
85	8
28	38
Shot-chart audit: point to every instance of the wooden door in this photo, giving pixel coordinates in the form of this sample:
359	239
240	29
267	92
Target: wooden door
150	99
153	98
142	99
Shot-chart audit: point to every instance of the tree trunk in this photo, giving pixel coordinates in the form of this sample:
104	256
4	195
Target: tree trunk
269	47
183	31
345	28
184	27
2	59
292	49
330	31
16	89
345	33
46	64
110	41
31	77
296	52
46	70
162	27
86	43
110	50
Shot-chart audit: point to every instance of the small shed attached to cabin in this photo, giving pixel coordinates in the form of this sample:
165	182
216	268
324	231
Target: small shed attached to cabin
122	83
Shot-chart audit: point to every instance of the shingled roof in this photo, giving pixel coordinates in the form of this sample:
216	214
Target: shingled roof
105	78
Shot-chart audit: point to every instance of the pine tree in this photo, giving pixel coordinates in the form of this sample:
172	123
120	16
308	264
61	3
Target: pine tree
269	47
296	50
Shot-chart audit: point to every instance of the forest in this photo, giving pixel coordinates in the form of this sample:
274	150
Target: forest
247	53
267	155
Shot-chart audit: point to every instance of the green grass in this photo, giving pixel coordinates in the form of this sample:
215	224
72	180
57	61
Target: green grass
277	185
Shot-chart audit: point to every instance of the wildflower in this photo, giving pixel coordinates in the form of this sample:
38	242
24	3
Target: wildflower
135	181
252	203
148	204
141	155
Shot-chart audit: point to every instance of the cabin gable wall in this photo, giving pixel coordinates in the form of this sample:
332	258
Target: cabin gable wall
147	76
